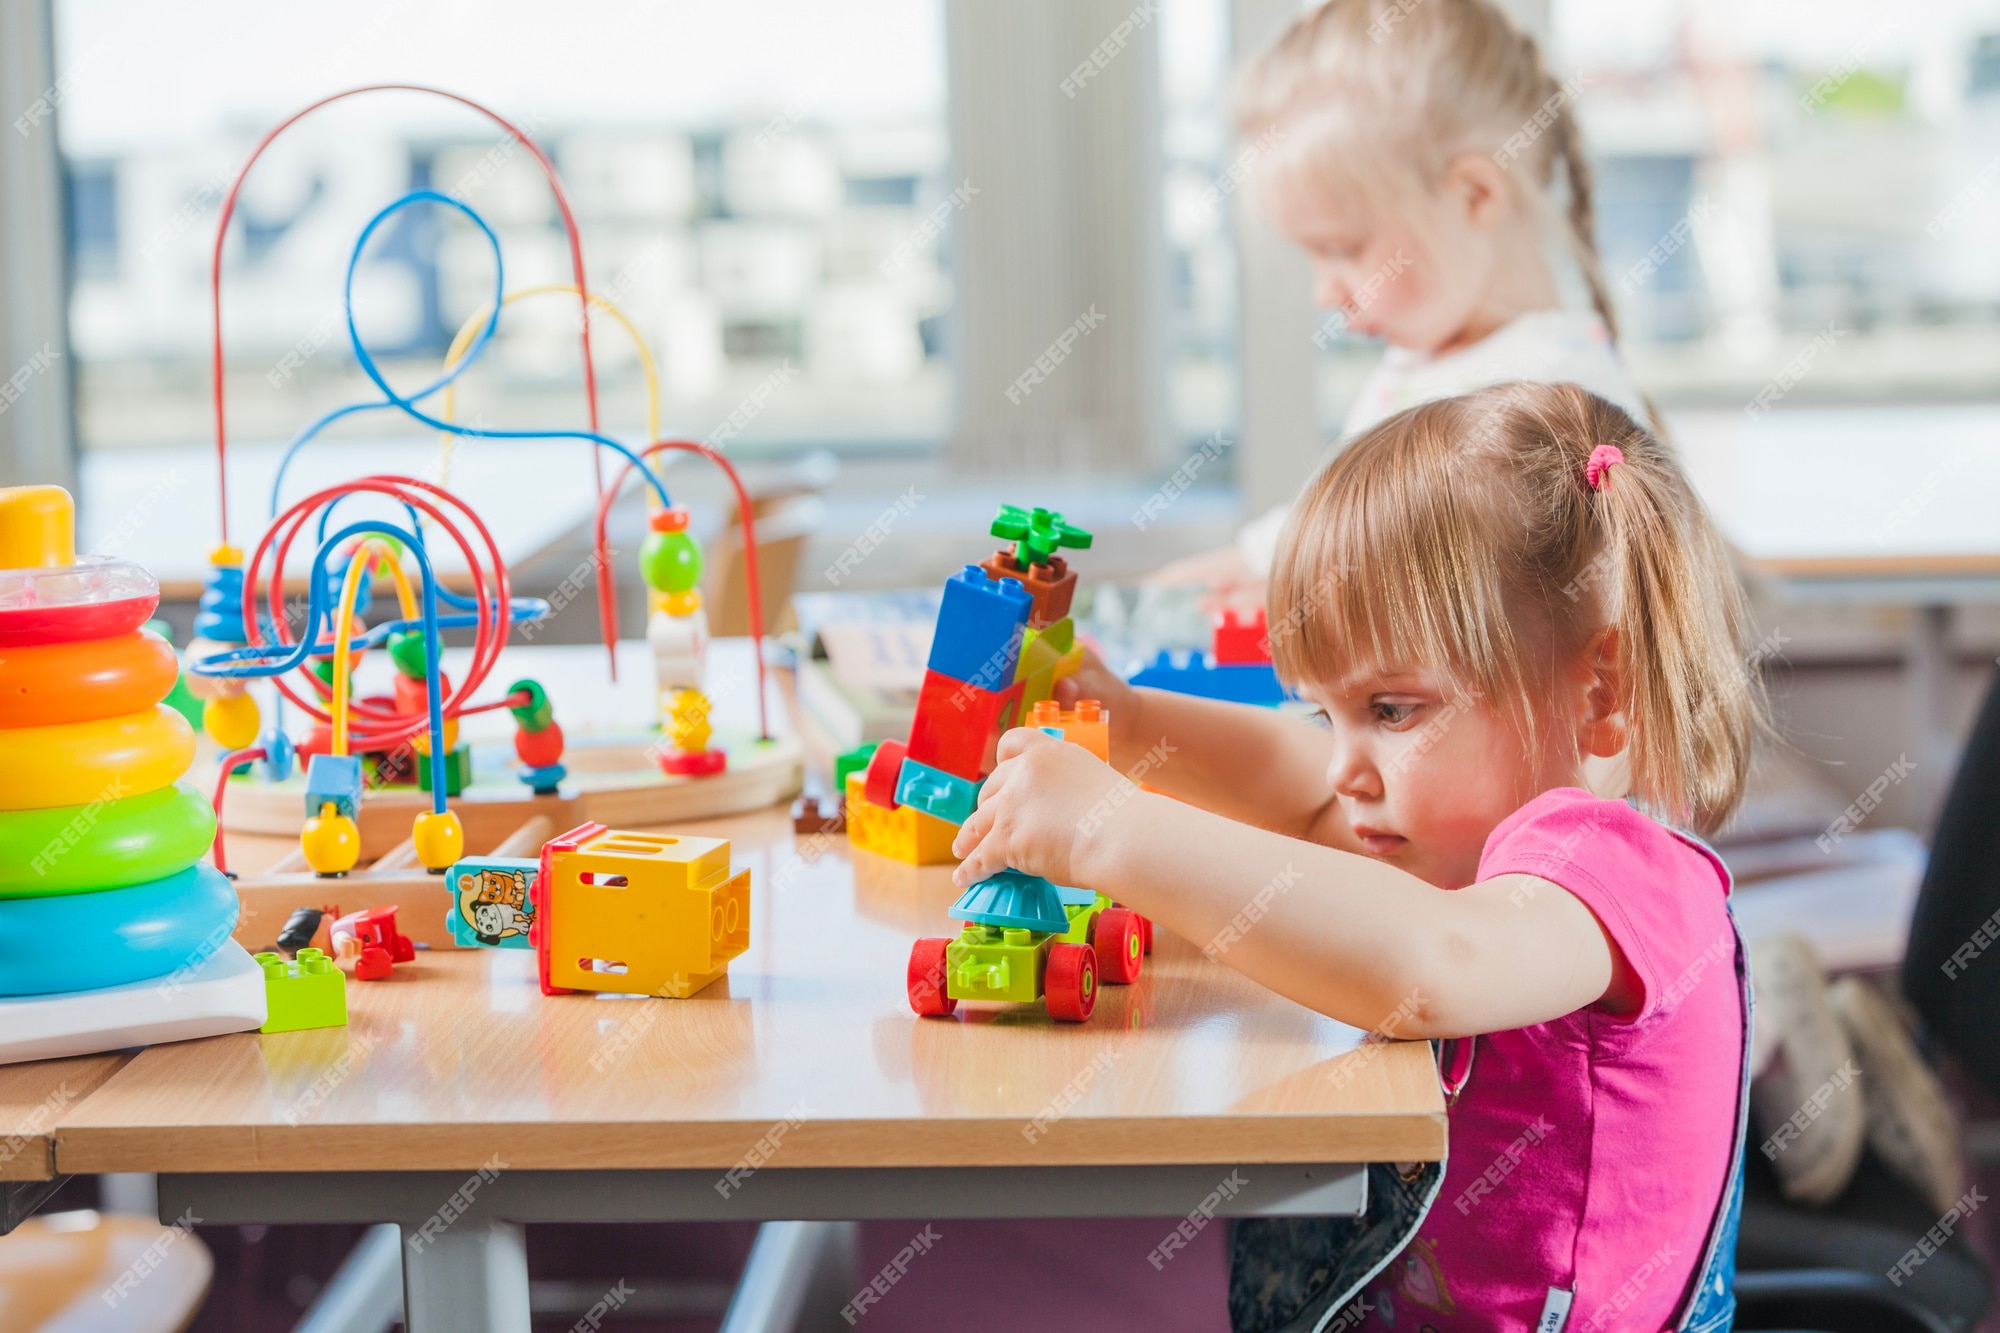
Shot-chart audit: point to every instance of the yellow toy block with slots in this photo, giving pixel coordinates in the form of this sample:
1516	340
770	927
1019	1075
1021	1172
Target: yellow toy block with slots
904	834
637	913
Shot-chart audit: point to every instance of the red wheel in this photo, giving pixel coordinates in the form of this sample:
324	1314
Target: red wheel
1070	984
1115	936
1146	932
926	978
885	770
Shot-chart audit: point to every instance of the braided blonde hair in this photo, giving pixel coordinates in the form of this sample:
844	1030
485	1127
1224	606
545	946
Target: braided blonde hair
1388	92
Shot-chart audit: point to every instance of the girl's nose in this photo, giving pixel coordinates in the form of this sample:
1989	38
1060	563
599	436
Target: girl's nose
1351	772
1331	290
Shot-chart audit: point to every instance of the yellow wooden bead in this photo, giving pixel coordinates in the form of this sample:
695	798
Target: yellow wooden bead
231	720
440	839
330	842
687	724
421	742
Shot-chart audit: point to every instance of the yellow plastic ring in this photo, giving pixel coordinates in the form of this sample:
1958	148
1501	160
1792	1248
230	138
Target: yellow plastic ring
75	763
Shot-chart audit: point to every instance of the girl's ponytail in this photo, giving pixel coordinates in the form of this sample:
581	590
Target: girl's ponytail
1691	699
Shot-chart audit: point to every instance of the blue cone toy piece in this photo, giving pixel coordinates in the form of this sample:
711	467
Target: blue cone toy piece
1011	898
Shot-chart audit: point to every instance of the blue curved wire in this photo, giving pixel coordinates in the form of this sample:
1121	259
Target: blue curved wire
408	403
305	437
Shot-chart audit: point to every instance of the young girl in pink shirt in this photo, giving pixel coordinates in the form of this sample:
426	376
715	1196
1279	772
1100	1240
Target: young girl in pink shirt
1480	594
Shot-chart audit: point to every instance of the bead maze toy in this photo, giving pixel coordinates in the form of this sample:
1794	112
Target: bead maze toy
373	765
112	932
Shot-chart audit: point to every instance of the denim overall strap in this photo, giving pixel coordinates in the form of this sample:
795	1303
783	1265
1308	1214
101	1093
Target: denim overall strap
1711	1302
1306	1274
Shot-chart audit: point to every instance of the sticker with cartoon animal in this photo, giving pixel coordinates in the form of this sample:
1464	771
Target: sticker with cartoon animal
493	902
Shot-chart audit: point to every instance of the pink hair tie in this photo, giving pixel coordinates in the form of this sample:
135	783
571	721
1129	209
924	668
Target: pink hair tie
1599	467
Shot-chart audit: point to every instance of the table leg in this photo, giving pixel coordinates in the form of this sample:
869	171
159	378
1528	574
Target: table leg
1929	670
365	1294
798	1277
471	1276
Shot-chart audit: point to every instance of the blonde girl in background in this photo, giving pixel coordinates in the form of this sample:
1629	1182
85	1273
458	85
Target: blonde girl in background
1431	168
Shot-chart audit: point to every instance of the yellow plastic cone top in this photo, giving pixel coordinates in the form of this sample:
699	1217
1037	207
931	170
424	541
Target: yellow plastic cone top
37	527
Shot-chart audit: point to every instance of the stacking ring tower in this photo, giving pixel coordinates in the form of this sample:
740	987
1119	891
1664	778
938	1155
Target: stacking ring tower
113	932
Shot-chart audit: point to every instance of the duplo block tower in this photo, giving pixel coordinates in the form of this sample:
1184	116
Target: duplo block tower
1004	637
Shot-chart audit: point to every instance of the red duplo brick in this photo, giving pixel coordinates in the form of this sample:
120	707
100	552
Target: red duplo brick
957	725
1241	640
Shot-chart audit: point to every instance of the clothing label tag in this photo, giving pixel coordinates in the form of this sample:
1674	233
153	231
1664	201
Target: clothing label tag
1555	1311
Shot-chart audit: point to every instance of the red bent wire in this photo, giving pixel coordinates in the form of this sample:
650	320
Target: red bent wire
229	763
374	727
229	210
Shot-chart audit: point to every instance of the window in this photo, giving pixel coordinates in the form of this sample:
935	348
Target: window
1780	177
750	180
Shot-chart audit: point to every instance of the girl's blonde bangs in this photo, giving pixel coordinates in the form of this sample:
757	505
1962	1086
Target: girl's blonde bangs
1381	567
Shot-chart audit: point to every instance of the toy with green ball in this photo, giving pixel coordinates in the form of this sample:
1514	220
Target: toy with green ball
670	559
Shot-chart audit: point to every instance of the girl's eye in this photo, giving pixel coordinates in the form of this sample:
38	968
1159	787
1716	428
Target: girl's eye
1394	715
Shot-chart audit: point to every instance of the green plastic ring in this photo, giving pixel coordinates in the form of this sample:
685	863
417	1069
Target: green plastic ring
103	845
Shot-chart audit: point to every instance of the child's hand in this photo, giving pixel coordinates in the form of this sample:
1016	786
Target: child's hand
1032	808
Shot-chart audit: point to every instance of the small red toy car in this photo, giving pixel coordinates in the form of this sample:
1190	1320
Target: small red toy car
371	941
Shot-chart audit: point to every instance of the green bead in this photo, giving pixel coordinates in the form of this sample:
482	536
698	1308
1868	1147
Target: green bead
537	713
406	650
323	668
670	562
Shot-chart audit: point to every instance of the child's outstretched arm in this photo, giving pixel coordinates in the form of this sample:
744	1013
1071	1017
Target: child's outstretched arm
1351	937
1255	765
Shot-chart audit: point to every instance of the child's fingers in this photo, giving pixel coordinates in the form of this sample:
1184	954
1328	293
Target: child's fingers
1018	739
972	832
984	857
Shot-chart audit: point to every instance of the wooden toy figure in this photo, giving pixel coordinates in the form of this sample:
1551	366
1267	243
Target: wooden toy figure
677	631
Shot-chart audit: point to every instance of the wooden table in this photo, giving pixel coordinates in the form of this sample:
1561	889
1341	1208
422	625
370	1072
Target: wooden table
801	1087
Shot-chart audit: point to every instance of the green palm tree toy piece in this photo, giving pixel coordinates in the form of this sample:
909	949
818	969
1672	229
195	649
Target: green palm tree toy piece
1038	534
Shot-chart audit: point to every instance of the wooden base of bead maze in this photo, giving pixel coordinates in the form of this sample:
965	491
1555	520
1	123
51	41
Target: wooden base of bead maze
612	780
396	879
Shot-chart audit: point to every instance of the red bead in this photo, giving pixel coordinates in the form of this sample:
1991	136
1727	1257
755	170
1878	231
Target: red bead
540	749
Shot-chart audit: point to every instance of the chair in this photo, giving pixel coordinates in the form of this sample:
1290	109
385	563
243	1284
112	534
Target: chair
1829	1267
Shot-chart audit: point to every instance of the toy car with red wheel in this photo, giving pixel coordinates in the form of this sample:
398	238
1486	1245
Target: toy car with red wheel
1026	939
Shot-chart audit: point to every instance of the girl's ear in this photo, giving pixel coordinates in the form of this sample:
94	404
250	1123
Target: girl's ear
1477	190
1601	728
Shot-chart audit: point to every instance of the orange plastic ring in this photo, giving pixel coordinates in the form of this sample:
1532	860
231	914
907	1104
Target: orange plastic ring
84	679
75	763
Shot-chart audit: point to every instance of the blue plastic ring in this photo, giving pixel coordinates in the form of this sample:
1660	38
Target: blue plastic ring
85	941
